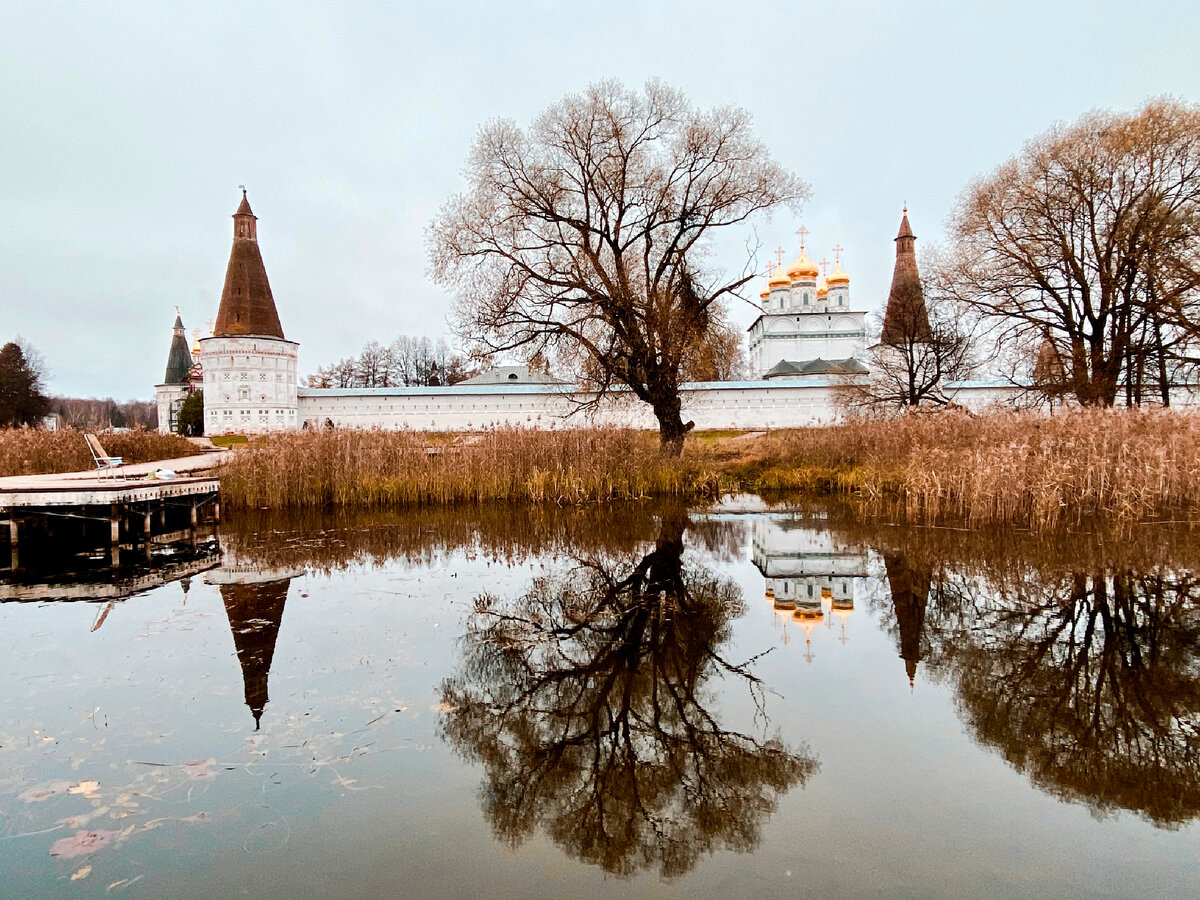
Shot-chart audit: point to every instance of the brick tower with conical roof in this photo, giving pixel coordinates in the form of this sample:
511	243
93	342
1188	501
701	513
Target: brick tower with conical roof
176	383
249	367
905	320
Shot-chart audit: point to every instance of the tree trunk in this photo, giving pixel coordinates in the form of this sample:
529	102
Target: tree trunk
671	427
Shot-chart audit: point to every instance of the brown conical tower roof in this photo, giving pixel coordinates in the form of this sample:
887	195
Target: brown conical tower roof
179	357
247	306
906	320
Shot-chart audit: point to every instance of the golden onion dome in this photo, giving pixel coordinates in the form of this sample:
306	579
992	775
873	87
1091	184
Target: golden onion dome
765	292
838	276
779	278
803	268
822	287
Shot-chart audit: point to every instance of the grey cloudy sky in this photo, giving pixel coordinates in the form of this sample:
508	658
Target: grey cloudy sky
128	126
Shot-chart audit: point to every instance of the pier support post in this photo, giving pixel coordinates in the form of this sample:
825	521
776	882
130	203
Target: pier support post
146	542
195	522
114	524
12	541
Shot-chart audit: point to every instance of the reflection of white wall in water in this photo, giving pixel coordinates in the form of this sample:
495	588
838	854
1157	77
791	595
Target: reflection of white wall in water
805	565
237	569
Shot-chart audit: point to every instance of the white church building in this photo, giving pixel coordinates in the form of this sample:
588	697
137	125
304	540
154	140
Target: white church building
807	328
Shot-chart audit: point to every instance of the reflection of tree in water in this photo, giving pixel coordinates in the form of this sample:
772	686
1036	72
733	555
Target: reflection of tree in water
1090	683
255	612
584	700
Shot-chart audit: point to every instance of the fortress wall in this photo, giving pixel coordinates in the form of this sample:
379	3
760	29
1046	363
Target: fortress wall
716	405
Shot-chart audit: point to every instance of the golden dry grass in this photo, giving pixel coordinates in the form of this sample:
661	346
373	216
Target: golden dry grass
1024	469
386	468
34	451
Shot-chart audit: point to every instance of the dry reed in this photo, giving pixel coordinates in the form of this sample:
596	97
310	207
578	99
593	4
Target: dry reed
382	468
1024	469
34	451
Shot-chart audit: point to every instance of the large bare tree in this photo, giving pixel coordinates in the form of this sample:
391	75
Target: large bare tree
1091	236
586	235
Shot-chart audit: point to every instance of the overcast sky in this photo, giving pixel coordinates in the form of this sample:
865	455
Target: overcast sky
127	128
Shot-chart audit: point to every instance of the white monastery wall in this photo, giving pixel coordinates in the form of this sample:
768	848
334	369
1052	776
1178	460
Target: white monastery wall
170	398
730	404
711	405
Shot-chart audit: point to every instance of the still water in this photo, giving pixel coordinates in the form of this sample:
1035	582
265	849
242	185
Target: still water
633	702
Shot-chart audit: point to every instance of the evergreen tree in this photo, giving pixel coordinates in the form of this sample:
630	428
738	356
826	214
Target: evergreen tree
21	399
191	414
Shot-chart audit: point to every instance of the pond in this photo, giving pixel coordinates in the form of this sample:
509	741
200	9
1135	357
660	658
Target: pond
637	701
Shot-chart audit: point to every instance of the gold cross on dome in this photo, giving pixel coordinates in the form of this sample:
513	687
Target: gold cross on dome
837	254
779	257
824	266
803	232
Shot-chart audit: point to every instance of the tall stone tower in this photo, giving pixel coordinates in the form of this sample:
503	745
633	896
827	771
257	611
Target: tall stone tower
249	367
176	382
905	320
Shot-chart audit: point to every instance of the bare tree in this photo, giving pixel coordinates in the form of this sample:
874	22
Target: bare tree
371	366
1091	235
585	236
914	369
923	340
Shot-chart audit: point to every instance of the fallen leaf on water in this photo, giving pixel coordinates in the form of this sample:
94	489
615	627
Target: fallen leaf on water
443	708
200	768
84	787
43	791
81	873
81	843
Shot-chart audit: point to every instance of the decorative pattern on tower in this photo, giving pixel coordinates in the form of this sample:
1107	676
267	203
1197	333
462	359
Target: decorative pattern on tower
247	307
906	320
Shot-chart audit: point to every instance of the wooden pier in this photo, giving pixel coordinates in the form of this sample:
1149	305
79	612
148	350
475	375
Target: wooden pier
127	507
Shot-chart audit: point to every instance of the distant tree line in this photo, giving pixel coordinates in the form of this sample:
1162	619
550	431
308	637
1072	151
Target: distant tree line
407	361
96	412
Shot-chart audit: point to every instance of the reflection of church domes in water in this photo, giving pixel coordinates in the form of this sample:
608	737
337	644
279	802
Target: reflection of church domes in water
780	603
842	608
255	612
808	610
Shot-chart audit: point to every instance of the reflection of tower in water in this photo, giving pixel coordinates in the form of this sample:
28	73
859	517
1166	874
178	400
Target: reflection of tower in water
807	574
255	612
910	594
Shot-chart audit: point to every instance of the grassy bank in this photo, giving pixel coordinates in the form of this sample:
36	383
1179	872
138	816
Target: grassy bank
1022	469
1032	471
33	451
